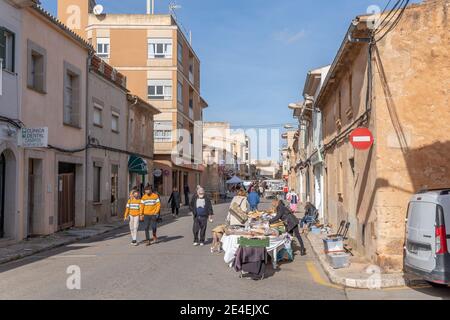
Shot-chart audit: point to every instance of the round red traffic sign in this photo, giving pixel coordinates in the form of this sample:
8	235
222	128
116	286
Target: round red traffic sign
361	139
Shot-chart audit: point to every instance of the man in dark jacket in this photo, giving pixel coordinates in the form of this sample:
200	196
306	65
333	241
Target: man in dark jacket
289	220
175	202
202	209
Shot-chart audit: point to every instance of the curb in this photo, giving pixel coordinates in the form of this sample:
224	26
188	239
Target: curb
365	281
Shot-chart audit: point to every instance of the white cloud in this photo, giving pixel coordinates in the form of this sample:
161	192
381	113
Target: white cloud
288	37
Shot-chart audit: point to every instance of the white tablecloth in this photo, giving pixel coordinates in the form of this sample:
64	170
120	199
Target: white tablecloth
230	246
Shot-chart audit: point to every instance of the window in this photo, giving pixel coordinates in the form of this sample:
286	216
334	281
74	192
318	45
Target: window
103	46
191	108
160	89
115	122
71	95
97	184
36	69
143	130
97	115
7	51
180	93
159	48
163	131
180	53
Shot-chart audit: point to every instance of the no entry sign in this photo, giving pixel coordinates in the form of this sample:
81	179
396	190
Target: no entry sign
361	138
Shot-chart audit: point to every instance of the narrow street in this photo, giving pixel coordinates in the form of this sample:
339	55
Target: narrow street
172	269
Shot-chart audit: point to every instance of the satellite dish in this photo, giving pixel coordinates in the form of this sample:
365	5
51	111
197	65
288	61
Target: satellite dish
98	9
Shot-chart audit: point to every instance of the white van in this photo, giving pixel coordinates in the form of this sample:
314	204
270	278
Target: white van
427	237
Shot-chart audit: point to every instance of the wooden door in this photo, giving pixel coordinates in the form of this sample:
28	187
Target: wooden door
66	201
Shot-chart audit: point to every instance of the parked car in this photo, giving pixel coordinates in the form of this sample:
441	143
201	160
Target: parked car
427	236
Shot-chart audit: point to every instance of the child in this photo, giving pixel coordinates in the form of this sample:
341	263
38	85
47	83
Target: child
217	234
133	213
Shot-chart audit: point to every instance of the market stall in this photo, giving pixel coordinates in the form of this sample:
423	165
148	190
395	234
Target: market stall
254	232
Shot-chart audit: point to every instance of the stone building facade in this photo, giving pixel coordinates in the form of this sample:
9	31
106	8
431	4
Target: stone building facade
408	115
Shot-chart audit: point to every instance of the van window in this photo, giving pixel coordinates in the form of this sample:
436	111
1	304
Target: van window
422	215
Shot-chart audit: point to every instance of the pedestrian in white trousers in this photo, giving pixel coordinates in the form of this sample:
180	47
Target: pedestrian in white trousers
133	212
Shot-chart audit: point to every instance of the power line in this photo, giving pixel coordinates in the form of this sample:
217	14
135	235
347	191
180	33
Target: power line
393	12
396	22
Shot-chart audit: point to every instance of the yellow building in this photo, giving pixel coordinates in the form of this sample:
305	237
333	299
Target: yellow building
163	69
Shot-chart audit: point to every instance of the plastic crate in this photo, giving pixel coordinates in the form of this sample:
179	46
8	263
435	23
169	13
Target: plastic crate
315	230
339	260
333	244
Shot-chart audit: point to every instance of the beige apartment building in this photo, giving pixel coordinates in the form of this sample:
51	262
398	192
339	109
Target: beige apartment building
162	69
408	115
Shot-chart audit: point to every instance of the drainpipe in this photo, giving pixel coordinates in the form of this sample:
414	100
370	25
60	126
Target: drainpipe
86	154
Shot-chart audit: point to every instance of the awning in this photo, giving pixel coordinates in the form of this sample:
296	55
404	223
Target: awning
137	165
234	180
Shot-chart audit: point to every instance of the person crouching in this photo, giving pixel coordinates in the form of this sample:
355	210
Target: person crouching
151	208
133	213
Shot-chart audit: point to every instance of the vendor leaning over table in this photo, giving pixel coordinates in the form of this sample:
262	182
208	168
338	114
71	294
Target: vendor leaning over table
289	220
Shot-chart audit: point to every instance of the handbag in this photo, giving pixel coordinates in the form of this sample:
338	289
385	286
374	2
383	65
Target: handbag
238	213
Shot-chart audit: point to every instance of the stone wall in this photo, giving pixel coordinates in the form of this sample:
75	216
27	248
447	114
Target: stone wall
412	90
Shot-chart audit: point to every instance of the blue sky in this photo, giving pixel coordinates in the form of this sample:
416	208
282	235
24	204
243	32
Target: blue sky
255	53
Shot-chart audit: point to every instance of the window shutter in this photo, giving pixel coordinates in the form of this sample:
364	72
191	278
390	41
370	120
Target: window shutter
151	49
76	101
3	46
40	71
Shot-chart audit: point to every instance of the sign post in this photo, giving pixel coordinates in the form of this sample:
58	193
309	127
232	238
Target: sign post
361	139
33	137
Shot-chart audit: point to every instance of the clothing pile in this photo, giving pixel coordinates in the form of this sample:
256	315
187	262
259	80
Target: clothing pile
251	261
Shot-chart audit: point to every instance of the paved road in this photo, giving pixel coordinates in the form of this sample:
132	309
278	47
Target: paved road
173	269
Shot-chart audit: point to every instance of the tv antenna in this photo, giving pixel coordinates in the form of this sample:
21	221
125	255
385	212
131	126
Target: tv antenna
172	7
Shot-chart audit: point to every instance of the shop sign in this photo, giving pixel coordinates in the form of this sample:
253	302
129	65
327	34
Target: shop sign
157	173
33	137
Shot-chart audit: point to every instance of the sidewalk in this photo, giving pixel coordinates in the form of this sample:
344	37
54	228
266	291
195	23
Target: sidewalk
11	252
361	274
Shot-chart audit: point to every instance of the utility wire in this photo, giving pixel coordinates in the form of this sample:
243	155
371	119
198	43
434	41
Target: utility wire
396	22
392	12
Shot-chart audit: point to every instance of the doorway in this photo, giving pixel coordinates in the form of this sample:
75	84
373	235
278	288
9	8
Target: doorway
318	189
114	190
66	196
34	196
2	194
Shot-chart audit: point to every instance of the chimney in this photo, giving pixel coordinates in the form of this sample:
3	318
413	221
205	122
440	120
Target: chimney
150	6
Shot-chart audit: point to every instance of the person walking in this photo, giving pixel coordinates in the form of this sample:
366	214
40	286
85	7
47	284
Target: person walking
175	202
253	199
150	210
186	194
202	209
293	200
289	220
285	191
133	214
